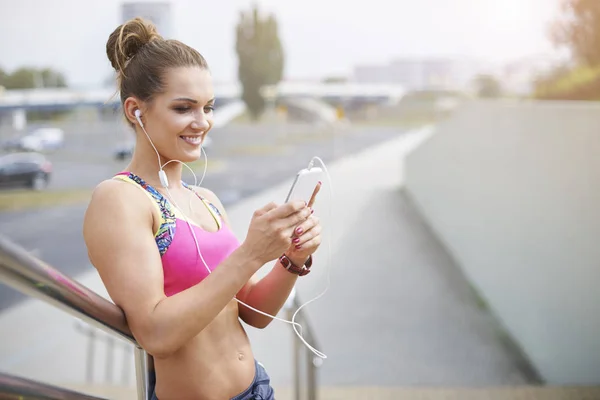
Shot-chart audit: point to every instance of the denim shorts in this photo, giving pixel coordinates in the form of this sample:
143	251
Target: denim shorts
259	389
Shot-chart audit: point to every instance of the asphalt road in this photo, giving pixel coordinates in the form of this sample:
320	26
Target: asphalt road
242	160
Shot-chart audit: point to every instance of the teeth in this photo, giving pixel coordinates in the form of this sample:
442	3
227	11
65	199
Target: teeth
192	139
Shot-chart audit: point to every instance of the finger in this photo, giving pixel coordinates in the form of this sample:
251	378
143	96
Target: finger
314	195
307	225
311	241
265	209
287	209
298	218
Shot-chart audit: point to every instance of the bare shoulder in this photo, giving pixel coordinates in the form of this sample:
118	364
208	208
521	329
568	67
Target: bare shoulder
113	205
113	196
118	234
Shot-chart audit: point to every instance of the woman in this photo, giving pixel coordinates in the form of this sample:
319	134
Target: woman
154	265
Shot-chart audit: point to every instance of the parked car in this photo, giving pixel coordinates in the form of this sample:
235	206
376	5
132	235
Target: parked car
125	150
25	169
41	139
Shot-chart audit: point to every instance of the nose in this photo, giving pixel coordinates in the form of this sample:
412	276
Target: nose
201	124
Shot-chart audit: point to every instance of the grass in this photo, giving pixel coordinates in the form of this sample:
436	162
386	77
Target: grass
255	150
18	200
405	122
214	164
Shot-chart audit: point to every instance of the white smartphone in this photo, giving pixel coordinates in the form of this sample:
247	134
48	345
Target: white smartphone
304	184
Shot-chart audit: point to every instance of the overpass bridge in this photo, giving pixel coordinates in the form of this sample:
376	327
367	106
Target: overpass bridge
16	103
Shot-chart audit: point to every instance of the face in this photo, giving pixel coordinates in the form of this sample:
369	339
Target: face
178	119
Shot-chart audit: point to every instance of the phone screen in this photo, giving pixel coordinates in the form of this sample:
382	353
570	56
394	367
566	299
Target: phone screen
304	184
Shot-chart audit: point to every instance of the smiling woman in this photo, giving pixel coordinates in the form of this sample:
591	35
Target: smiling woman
165	250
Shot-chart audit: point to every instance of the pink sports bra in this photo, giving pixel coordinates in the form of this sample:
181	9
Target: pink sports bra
182	265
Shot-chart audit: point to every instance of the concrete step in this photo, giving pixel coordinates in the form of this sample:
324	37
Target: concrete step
398	393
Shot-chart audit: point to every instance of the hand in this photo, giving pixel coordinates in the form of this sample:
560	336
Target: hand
271	229
306	240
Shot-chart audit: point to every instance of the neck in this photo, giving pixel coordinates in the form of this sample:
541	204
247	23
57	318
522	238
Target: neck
144	163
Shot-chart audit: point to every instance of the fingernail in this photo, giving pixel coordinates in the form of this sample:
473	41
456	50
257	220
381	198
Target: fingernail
312	211
297	240
298	230
298	247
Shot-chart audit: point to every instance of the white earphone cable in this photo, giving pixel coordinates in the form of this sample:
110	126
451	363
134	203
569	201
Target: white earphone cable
297	327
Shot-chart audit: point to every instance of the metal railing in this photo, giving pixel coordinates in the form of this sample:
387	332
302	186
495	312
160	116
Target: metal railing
33	277
308	390
16	388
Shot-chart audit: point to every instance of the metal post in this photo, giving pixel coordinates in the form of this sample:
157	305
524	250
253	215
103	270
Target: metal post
126	365
296	360
141	374
90	358
108	367
311	376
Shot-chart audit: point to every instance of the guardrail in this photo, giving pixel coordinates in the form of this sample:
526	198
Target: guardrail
33	277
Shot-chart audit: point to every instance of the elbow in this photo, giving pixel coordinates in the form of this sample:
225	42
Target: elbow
157	346
263	324
158	351
259	321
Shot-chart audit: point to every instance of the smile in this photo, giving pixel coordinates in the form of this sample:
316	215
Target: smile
193	140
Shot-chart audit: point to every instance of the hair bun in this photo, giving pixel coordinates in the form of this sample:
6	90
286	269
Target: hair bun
127	40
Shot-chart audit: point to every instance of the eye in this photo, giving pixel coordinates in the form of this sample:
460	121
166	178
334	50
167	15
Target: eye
208	109
182	110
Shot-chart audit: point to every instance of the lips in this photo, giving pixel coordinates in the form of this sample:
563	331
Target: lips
193	140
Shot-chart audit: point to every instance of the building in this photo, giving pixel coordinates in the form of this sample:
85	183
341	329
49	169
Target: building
420	73
157	12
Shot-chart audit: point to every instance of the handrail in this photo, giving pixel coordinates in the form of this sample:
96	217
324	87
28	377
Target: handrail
312	361
35	278
17	388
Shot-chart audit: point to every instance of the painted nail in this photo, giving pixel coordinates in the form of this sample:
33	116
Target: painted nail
297	240
299	230
298	247
312	211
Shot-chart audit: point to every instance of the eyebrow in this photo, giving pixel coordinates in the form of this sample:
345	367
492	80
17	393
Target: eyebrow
192	100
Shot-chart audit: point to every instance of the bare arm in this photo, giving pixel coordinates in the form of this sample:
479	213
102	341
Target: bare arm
121	245
268	294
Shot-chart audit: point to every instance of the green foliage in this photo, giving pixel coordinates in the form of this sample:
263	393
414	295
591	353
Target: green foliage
579	83
2	77
260	58
486	86
579	30
29	78
335	79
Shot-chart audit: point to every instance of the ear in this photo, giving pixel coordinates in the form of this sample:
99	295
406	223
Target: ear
129	106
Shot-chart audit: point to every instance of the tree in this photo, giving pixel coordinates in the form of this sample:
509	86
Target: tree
260	58
487	86
52	79
335	79
2	77
578	29
29	78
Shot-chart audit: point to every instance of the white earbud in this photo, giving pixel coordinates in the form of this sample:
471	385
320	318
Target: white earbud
162	175
138	114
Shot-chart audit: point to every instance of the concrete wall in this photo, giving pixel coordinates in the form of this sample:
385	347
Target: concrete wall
513	191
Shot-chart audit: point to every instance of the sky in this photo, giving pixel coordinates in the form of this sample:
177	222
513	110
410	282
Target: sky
320	37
